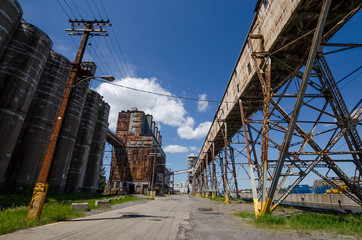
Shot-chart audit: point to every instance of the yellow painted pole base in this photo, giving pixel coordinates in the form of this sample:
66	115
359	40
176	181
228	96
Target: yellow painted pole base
262	207
227	199
257	207
212	195
169	193
206	195
37	201
266	206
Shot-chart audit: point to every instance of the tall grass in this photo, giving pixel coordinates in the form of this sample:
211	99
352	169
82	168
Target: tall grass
339	223
57	208
346	224
13	219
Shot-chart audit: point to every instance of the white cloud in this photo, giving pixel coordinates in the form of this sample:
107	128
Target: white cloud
201	104
175	149
188	132
165	110
194	149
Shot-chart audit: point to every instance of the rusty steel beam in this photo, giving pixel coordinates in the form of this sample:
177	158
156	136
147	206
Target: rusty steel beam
254	81
213	171
113	139
356	190
226	192
206	177
302	89
250	162
234	171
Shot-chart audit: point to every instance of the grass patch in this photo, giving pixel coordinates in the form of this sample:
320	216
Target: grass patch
13	219
218	198
245	214
271	220
237	199
57	208
339	223
347	224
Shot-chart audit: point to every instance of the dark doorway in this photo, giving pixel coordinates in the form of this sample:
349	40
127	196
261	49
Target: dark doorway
131	188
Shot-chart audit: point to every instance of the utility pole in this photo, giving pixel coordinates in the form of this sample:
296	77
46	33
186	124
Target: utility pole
91	28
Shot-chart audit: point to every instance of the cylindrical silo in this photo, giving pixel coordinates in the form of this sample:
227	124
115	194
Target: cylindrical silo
10	16
63	154
83	143
97	149
20	69
35	134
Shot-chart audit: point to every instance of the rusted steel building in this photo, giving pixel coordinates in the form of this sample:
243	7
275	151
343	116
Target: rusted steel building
142	164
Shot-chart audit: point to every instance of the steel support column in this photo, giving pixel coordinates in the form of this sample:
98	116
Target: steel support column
232	156
213	171
226	191
206	178
250	162
315	47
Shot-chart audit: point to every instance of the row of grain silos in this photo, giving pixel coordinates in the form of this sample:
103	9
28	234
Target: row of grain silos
32	81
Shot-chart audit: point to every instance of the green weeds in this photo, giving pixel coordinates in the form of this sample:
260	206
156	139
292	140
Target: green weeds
339	223
245	214
13	219
14	208
217	198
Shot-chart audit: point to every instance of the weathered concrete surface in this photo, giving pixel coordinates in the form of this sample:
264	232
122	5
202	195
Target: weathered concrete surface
175	217
338	202
102	203
80	206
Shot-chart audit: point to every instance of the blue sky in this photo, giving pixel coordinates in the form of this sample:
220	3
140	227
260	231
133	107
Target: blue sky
186	48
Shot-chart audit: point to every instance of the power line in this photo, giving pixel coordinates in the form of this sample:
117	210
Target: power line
61	6
90	9
351	80
104	9
70	9
155	93
76	8
100	15
121	59
349	74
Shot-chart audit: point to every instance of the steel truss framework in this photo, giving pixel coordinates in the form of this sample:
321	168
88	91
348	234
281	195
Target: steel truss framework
107	159
117	153
303	126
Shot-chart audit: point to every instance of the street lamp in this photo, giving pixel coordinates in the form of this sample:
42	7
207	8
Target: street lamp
106	77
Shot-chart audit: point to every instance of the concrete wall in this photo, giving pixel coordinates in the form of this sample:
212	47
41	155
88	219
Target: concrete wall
337	202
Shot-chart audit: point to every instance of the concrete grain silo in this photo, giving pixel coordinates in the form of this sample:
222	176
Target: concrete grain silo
83	143
10	17
64	152
34	138
20	69
97	150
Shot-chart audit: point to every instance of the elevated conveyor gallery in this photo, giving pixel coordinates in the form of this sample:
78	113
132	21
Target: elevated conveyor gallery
279	41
